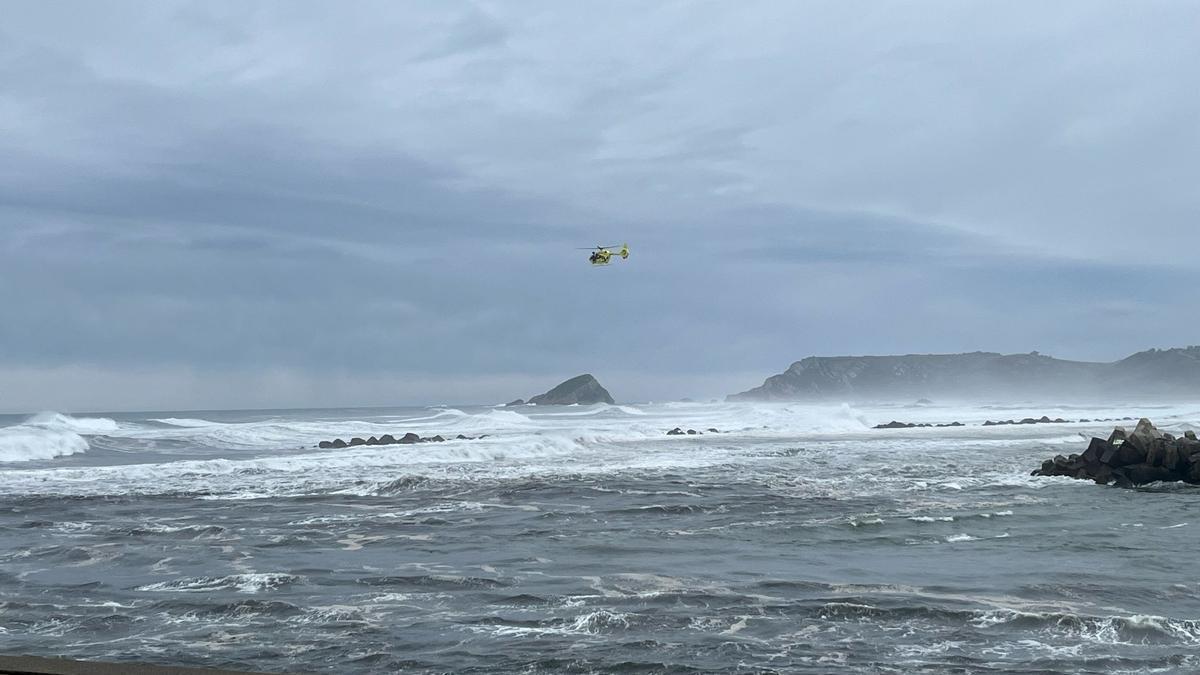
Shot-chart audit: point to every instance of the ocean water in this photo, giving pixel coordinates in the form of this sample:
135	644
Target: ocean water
585	540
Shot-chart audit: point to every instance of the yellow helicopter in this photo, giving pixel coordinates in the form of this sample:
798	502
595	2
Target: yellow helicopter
602	255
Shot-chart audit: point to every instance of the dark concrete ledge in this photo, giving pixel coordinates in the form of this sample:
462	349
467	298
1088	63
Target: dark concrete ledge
33	665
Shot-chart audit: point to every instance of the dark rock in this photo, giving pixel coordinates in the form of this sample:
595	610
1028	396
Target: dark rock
1189	450
1127	460
692	432
338	443
1171	459
325	444
583	389
460	437
357	441
1156	454
1132	451
387	439
409	439
1095	450
1044	420
372	441
1146	428
1141	474
517	402
895	425
1059	420
1190	435
438	439
1084	421
713	431
675	432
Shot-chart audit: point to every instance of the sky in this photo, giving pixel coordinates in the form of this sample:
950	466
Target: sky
298	204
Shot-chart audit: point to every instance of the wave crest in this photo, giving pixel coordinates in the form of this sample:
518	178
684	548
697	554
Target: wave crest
48	435
53	421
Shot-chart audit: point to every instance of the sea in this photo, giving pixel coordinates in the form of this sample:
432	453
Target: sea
583	539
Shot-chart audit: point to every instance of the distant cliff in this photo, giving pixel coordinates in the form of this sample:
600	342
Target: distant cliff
1156	372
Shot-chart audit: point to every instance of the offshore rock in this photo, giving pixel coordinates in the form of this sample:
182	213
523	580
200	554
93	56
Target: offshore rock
388	439
583	389
1028	420
911	425
1130	459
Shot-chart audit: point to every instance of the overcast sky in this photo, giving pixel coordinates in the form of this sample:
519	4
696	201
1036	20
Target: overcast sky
267	204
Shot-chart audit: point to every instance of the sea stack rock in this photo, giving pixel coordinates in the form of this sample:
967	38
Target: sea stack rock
583	390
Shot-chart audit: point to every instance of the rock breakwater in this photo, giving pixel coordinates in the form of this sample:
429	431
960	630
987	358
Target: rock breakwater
1127	459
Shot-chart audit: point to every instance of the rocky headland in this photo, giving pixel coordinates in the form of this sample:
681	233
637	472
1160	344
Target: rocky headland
1155	373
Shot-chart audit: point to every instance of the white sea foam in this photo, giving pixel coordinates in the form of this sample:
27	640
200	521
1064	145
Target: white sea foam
49	435
24	444
277	456
184	422
242	583
53	421
1106	630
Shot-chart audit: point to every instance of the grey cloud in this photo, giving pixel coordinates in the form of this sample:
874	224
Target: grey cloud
395	193
475	29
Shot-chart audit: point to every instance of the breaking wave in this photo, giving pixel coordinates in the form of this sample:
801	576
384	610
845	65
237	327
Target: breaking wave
241	583
48	435
89	426
187	423
23	445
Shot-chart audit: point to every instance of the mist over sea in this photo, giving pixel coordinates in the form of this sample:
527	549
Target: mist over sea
583	539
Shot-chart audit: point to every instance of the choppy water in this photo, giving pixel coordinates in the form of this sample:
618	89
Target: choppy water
582	539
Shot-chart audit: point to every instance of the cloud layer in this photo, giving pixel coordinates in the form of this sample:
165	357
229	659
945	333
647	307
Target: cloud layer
216	204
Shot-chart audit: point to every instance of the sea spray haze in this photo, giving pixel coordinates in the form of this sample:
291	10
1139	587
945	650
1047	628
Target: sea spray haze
582	538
